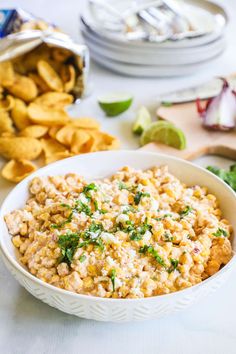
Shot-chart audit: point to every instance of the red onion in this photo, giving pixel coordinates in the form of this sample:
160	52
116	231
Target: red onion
220	111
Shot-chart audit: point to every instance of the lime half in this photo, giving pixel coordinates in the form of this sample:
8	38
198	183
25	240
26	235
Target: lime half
143	120
166	133
115	104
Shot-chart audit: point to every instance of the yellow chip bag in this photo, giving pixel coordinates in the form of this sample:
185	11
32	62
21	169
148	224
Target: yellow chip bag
19	114
6	125
6	73
54	99
23	87
18	148
7	103
16	170
47	116
34	131
49	75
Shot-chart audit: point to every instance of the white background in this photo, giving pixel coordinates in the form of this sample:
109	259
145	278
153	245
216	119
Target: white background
28	326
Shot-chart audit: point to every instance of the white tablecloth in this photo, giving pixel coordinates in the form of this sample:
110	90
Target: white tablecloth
28	326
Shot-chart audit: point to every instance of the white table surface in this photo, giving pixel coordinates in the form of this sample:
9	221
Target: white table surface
28	326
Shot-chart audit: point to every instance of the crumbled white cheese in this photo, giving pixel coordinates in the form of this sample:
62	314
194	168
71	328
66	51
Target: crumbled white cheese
122	218
109	238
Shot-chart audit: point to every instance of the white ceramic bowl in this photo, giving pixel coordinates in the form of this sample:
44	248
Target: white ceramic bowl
99	165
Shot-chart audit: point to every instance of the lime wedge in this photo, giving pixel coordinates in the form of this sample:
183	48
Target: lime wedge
166	133
147	135
115	104
143	120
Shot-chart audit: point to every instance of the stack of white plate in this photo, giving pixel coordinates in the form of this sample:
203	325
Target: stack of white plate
112	48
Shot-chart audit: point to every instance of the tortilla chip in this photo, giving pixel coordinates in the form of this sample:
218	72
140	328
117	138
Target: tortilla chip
51	146
41	84
53	131
104	141
47	116
18	148
19	114
34	131
57	156
49	75
7	103
85	123
61	54
65	134
68	76
7	75
15	171
31	59
6	124
54	99
82	142
23	87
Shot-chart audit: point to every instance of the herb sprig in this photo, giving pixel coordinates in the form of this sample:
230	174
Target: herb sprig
139	195
186	211
228	177
68	244
220	232
113	278
149	249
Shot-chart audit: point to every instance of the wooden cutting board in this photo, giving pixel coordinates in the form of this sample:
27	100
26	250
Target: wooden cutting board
200	141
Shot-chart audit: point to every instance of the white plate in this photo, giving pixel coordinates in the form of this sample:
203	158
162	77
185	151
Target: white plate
157	57
214	9
150	71
98	165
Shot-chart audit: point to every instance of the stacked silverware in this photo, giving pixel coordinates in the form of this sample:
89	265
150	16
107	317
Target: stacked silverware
154	38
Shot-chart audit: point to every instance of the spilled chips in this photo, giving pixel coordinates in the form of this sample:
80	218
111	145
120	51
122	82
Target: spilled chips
35	90
16	170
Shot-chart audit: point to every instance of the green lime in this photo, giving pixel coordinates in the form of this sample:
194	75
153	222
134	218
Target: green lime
143	120
147	135
166	133
115	104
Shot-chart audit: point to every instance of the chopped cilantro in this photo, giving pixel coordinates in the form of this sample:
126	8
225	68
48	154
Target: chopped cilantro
163	217
138	196
174	265
168	237
63	223
113	279
82	258
122	185
185	211
220	232
101	211
68	244
95	227
83	208
129	208
149	249
90	187
95	205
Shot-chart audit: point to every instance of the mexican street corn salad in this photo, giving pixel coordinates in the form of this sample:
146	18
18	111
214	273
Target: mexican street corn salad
135	234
